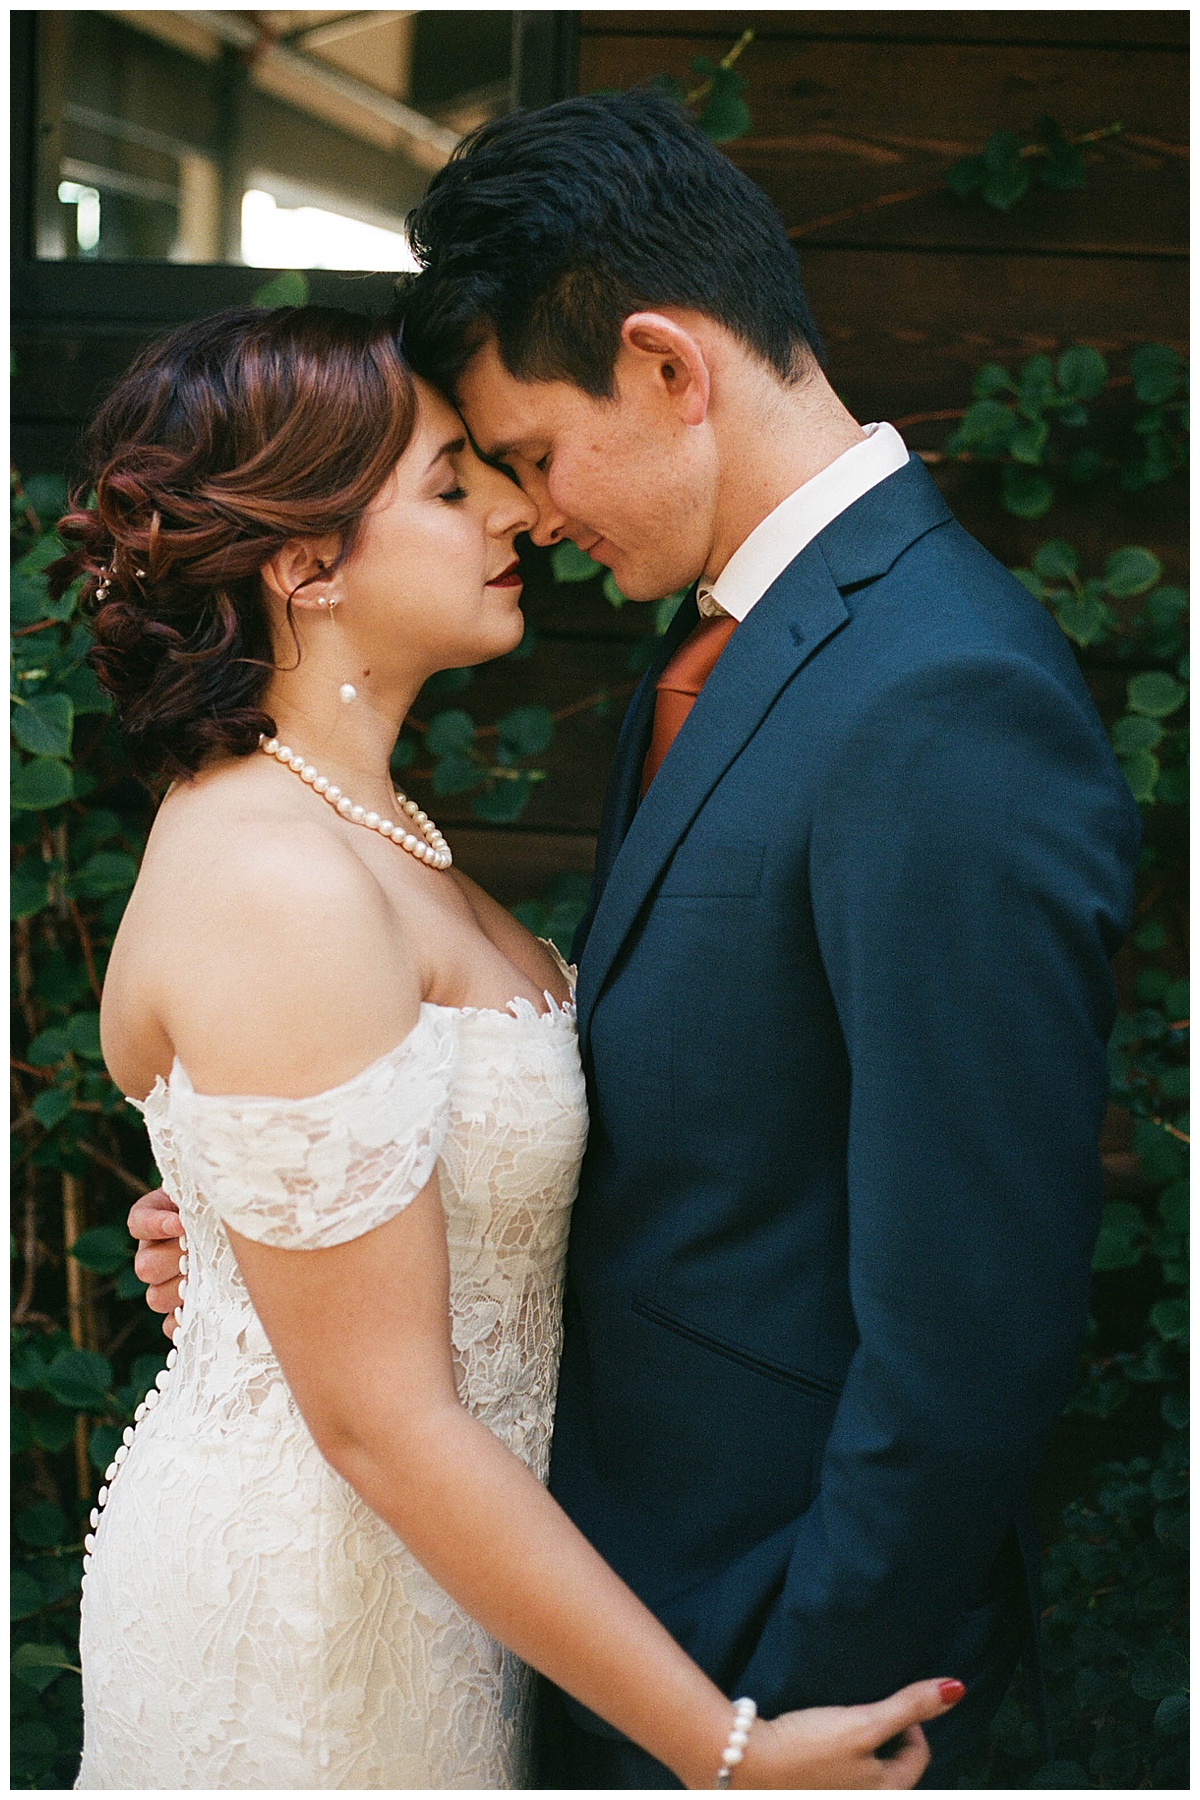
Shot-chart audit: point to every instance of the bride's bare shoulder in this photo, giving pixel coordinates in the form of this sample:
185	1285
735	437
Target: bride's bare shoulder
262	945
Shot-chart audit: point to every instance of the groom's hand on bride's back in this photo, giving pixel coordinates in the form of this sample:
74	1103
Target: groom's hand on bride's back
154	1221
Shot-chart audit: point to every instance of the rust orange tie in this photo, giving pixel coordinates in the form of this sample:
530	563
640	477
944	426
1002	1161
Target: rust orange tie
679	684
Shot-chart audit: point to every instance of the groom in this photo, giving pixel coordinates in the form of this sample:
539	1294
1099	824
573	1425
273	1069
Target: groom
844	986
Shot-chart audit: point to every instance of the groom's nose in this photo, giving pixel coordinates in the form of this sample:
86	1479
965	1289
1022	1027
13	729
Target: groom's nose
552	524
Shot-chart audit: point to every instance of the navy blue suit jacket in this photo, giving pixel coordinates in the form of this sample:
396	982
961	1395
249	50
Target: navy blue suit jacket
844	992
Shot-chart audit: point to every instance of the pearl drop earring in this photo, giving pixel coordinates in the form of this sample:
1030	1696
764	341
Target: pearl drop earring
347	692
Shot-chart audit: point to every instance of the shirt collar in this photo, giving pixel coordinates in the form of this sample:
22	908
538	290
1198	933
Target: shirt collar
796	521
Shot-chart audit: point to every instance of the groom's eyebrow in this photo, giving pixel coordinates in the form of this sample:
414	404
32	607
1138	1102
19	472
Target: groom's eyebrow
450	449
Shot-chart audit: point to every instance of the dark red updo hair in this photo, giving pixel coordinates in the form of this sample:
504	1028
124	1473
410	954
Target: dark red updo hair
222	441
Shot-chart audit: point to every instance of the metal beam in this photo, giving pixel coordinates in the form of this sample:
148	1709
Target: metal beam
234	29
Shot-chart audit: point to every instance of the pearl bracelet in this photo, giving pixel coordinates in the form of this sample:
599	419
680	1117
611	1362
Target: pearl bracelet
744	1714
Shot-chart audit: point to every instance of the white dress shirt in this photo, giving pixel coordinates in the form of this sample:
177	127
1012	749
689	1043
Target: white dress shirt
795	522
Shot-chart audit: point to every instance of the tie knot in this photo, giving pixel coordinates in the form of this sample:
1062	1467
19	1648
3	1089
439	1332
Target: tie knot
697	656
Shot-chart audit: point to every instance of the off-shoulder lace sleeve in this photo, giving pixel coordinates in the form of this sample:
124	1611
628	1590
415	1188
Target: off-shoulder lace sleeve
305	1174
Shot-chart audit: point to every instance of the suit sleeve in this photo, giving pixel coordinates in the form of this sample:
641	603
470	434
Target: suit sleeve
971	867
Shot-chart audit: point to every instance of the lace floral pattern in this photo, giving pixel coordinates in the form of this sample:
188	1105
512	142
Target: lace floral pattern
248	1622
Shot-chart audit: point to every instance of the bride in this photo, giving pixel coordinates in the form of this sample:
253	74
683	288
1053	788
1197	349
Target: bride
324	1556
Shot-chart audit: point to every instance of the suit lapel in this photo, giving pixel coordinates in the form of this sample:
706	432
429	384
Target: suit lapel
791	622
795	618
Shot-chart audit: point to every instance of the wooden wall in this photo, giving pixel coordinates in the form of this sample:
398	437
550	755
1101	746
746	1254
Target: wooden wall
856	117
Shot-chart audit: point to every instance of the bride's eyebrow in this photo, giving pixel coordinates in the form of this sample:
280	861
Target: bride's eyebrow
450	449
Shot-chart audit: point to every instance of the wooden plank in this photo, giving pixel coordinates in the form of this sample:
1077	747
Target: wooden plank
1086	26
907	330
853	140
513	864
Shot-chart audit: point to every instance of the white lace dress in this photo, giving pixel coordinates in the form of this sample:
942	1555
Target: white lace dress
247	1621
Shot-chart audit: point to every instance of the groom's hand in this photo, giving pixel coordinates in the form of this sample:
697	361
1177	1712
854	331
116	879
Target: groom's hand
154	1220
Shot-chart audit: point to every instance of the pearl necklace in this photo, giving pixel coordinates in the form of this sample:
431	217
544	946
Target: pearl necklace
434	850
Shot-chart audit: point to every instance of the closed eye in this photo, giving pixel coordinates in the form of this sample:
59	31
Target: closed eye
451	495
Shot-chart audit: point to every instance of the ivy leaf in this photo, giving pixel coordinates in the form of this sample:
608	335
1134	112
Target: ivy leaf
569	563
44	724
1055	560
1035	384
128	1285
991	381
1172	1716
1026	493
83	1035
1032	583
42	1525
290	288
102	1444
1170	1319
1176	1002
25	1597
48	1047
986	426
51	1108
447	681
527	730
501	804
1156	694
1028	441
1063	166
39	785
1133	733
84	691
1157	371
53	1431
1006	171
1081	372
665	610
104	1249
107	872
725	114
1160	1673
456	774
80	1379
1084	619
448	732
29	890
1130	572
1165	607
1060	1775
612	592
37	1665
1141	771
404	755
1122	1237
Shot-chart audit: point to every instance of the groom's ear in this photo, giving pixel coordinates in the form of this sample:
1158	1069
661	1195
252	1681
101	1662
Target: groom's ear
664	352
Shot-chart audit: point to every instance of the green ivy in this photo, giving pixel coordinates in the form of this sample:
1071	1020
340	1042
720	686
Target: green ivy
1033	424
1010	165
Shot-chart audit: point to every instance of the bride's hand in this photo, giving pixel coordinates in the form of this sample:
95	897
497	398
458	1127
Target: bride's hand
834	1746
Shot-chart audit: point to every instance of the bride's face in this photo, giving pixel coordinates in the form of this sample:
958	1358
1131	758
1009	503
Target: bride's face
432	582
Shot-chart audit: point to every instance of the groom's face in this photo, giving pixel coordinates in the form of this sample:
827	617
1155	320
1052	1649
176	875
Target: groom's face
620	477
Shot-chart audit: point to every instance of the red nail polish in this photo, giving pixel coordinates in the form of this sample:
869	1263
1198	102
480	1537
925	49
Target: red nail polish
951	1691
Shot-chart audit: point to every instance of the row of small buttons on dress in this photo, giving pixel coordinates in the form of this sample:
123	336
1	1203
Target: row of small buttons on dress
146	1406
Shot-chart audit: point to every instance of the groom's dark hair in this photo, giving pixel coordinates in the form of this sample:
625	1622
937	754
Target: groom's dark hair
547	229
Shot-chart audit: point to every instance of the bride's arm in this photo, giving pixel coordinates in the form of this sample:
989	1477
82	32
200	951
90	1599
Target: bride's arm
288	990
361	1331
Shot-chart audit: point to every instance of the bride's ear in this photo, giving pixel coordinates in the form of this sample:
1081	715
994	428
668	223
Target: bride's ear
294	572
664	352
